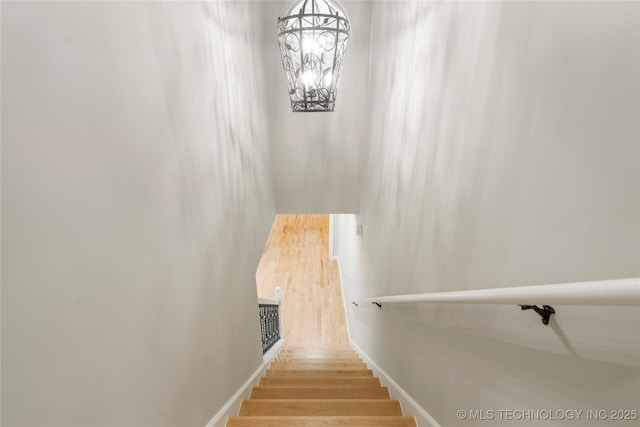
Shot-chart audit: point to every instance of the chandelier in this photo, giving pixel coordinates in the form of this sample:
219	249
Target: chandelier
313	38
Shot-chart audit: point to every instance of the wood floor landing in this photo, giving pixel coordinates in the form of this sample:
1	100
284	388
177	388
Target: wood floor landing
296	258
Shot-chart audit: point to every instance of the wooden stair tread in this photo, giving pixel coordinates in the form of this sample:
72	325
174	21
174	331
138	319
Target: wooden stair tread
320	373
319	347
317	360
320	392
319	357
318	350
319	354
329	421
323	365
323	380
320	407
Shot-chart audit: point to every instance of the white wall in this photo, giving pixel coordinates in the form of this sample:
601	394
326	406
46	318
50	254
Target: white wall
136	201
505	151
318	157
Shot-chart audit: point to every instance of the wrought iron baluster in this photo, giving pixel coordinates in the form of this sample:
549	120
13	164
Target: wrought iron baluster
269	325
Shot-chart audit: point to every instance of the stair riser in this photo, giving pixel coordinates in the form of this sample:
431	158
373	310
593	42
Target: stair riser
320	393
319	407
326	349
344	421
319	366
319	373
321	381
318	359
320	352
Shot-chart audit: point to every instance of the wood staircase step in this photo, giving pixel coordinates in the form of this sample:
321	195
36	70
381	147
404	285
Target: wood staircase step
322	365
320	407
320	392
319	381
320	347
318	352
327	386
332	421
320	373
318	359
308	350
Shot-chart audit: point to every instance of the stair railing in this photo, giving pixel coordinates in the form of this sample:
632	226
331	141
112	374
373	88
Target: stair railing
269	311
618	292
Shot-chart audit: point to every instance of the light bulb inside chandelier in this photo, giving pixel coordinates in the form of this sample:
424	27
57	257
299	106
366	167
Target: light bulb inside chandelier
313	38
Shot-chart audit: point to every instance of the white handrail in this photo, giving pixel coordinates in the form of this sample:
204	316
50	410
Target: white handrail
623	292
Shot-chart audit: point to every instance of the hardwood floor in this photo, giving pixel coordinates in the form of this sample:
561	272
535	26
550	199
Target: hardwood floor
296	258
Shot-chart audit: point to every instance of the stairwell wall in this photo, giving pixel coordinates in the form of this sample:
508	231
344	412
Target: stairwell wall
136	201
505	151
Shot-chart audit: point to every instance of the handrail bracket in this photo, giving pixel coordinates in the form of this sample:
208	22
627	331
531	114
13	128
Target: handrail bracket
545	312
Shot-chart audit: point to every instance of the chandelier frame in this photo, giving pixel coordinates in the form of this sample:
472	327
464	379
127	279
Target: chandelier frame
312	44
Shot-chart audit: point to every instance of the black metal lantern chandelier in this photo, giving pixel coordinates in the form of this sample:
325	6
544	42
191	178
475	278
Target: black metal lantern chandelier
313	38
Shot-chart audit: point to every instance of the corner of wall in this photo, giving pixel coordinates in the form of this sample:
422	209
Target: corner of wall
409	406
232	406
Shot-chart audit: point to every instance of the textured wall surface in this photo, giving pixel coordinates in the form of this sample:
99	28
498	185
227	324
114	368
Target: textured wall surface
136	200
505	151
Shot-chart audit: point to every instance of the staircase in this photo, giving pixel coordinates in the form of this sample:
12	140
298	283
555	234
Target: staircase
319	386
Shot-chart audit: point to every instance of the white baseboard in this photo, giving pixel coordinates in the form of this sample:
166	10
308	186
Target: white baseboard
232	406
332	256
344	300
409	406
